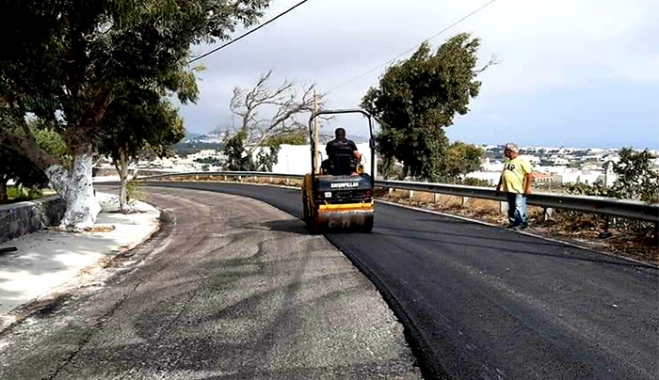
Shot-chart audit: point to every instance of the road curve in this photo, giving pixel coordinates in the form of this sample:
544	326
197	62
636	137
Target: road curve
480	302
233	289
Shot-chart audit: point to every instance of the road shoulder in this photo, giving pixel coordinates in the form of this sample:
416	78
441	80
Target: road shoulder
48	263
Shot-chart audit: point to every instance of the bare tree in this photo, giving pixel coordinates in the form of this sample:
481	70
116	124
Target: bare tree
285	104
492	62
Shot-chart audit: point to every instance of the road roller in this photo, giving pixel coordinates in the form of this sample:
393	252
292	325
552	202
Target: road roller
337	195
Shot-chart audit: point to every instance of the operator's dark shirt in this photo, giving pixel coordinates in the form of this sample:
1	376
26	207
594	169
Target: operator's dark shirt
341	146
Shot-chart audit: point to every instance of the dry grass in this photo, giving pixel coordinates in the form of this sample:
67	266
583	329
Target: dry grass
584	232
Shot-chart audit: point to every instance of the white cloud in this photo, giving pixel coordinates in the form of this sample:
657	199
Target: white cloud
541	45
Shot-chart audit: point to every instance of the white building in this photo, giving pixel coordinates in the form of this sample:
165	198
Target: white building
492	166
205	153
605	176
533	160
296	159
491	177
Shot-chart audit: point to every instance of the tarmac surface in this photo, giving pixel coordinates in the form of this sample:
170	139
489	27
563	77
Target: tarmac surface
480	302
229	288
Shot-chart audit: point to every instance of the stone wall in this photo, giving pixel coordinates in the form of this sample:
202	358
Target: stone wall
26	217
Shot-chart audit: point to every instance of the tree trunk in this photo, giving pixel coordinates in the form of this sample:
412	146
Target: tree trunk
75	187
122	168
3	191
77	190
123	178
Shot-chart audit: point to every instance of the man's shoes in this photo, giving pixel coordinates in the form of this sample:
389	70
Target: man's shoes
524	226
513	226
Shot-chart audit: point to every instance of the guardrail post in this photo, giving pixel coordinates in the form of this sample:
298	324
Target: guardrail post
411	194
240	179
503	207
390	190
196	177
288	182
464	201
435	197
210	176
225	178
255	179
547	212
270	179
606	234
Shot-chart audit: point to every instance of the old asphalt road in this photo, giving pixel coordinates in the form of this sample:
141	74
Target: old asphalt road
232	289
484	303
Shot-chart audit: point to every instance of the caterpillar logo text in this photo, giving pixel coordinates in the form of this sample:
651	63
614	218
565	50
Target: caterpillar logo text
343	185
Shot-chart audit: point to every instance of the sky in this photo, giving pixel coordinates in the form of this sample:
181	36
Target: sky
574	73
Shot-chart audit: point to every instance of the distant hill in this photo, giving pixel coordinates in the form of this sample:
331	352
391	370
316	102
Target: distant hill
191	135
217	136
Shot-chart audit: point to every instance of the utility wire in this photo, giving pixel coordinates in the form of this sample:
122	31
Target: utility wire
248	33
414	47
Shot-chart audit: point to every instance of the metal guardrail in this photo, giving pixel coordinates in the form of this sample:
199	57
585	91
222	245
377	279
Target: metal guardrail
606	206
224	173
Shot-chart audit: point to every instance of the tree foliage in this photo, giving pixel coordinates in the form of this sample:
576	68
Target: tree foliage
139	125
238	157
17	167
637	178
419	97
461	159
291	138
142	124
67	61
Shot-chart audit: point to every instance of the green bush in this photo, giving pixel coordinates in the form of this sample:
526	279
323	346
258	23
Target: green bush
637	180
135	191
476	182
21	195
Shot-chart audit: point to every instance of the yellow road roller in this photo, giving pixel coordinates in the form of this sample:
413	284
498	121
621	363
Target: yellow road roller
338	194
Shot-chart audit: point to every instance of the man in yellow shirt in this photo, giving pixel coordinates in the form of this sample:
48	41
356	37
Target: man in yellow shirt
516	179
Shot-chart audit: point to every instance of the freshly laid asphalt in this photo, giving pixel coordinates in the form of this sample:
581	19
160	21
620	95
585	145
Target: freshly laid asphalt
230	288
480	302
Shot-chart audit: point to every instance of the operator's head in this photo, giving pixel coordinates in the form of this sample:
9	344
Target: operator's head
340	133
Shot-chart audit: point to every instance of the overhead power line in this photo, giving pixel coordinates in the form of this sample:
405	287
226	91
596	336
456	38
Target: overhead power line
414	47
248	33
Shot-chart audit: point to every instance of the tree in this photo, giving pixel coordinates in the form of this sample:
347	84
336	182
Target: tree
241	158
139	124
266	133
66	61
300	137
419	97
460	160
637	179
18	168
14	166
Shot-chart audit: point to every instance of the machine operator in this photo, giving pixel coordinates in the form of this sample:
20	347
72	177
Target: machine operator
341	151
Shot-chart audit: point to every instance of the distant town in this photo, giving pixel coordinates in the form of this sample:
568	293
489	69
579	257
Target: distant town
553	166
